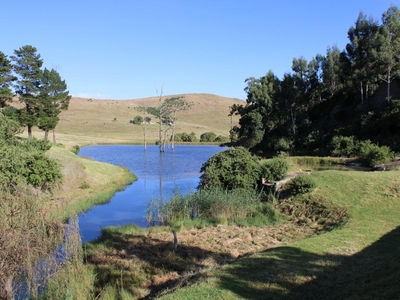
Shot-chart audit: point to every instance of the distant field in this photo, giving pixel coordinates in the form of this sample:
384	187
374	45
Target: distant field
107	121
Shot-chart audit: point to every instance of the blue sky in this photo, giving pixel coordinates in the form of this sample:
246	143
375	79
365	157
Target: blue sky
125	49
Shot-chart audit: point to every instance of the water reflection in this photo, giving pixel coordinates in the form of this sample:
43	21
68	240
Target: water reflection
158	176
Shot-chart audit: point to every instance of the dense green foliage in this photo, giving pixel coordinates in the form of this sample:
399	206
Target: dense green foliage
342	96
184	137
275	169
369	153
137	120
207	137
25	161
5	79
301	184
234	168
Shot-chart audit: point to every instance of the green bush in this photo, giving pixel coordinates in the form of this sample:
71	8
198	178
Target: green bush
301	184
371	154
208	137
25	160
222	139
344	146
231	169
75	149
275	169
184	137
136	120
282	145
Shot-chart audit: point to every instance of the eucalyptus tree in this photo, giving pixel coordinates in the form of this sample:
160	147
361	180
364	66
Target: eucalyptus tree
315	79
5	80
331	70
27	64
257	117
388	54
53	98
361	53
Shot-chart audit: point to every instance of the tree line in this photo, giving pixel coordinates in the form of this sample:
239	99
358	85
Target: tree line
42	92
330	96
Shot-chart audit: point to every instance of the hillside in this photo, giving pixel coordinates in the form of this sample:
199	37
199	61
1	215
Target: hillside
107	121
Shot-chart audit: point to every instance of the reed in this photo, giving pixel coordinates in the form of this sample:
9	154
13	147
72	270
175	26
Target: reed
215	206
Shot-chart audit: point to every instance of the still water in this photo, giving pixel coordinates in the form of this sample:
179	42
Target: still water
158	176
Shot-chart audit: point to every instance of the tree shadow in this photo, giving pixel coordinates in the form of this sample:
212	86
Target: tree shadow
290	273
162	267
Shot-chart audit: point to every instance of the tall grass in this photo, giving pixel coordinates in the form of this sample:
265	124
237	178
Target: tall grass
215	206
72	280
313	160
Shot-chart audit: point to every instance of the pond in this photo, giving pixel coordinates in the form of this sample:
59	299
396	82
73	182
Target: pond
158	175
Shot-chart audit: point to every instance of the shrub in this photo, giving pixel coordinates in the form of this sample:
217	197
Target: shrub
136	120
283	145
231	169
24	160
221	139
184	137
275	169
301	184
344	146
84	185
192	137
75	149
371	154
208	137
42	171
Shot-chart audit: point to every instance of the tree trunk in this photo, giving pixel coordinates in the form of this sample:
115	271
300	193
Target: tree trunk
54	135
362	94
161	130
175	240
388	84
144	135
29	131
46	135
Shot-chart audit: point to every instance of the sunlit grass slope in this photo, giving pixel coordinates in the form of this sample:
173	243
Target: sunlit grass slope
107	121
357	261
85	183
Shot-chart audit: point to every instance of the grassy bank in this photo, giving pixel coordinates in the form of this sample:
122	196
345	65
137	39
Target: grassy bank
86	183
356	261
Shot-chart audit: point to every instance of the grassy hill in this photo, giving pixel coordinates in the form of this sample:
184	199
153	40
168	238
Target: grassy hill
107	121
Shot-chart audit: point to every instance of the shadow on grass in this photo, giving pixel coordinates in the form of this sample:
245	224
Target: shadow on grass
289	273
133	261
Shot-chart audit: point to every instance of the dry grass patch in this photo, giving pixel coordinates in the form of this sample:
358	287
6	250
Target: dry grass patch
146	263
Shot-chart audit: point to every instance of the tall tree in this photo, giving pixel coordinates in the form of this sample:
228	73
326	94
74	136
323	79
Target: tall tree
331	70
360	50
54	98
388	54
256	117
5	79
27	64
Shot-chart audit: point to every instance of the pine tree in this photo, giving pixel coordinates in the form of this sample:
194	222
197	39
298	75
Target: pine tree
27	64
